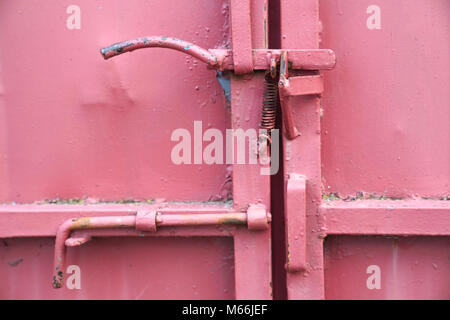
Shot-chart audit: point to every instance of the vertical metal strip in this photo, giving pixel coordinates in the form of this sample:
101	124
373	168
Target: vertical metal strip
241	36
260	25
252	250
299	30
4	177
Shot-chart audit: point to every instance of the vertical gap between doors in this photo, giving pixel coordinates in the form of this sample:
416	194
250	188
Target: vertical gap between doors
277	180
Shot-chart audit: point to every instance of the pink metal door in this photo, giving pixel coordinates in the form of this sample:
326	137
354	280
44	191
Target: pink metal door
86	148
86	145
367	181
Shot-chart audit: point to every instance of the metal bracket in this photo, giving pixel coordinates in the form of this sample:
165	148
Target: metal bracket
241	36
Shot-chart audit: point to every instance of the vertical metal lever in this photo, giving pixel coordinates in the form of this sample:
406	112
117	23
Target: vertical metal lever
294	86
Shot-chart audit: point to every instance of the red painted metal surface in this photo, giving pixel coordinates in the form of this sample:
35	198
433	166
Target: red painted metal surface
73	125
302	154
385	135
296	223
355	201
406	217
385	121
361	206
119	268
410	267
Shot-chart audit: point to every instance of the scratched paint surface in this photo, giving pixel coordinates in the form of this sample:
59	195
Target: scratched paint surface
73	125
385	125
117	268
409	267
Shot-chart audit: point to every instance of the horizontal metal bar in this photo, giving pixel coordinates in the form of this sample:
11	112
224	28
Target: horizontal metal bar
299	59
36	220
387	217
173	220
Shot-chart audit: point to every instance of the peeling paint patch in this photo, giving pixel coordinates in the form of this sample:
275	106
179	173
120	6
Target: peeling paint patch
231	221
225	83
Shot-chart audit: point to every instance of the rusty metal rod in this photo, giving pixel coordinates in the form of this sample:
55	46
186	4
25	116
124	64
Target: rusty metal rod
172	220
222	59
70	225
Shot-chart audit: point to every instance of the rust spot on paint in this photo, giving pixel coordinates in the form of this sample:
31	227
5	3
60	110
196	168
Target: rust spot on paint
231	221
81	223
118	47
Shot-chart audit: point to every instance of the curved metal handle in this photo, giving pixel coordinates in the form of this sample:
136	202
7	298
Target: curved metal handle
161	42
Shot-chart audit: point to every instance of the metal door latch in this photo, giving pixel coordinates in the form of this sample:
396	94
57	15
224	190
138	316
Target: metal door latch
222	59
148	220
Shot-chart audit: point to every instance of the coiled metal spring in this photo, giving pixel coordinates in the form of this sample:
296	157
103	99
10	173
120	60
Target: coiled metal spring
270	102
